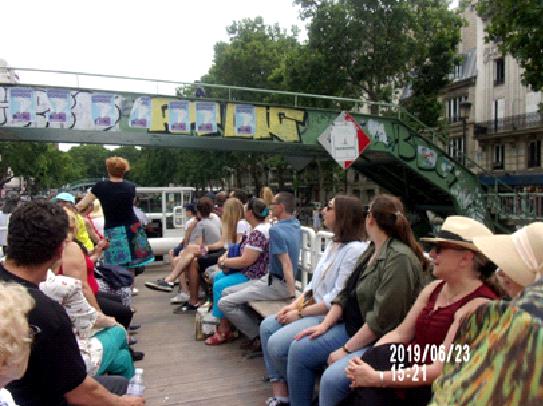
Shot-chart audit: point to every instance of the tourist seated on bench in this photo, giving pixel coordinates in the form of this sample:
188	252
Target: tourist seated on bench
376	298
200	257
76	263
16	336
503	337
284	252
175	255
430	326
234	229
251	265
56	373
102	341
344	216
207	236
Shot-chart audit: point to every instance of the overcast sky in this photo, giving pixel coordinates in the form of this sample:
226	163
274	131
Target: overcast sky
153	39
141	38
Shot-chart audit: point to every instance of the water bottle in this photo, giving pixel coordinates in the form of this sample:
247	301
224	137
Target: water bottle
135	387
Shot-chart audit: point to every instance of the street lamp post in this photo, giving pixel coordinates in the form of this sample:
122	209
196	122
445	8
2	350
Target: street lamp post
465	109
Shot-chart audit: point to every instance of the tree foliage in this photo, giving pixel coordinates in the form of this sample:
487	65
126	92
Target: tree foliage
371	47
437	35
42	164
251	58
516	26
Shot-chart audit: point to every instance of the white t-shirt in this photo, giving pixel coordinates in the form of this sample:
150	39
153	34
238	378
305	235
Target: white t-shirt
6	399
243	227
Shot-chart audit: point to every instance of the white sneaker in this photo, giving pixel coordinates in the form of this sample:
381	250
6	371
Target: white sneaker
181	297
135	292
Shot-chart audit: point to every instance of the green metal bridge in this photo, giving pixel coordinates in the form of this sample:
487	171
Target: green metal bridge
404	156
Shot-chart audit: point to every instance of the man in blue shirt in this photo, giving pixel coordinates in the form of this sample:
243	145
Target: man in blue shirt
285	239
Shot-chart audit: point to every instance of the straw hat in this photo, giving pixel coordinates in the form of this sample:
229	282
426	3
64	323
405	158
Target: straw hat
459	230
519	255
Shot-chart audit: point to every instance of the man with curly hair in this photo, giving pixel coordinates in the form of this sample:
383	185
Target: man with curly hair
56	373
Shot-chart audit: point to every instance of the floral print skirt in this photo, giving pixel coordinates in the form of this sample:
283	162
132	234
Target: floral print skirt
128	246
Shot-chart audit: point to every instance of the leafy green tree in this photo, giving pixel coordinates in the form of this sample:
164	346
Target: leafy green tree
437	35
516	26
91	158
368	48
40	163
251	58
368	43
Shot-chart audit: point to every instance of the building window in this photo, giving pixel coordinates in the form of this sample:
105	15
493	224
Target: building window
452	110
499	152
458	71
456	147
498	113
534	154
499	71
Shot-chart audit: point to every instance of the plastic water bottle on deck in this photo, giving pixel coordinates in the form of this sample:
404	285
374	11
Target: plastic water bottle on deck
135	387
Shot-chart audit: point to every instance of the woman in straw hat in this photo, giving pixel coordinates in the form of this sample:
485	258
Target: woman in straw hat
505	338
410	357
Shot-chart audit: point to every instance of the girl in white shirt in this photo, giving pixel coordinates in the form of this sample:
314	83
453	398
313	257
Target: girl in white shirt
344	215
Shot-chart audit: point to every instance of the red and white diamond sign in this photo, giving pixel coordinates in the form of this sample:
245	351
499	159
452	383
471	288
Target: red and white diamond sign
344	140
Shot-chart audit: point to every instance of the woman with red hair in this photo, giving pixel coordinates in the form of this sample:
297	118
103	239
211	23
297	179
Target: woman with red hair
128	245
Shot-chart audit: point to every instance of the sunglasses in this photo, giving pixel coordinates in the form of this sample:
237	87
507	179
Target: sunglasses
439	248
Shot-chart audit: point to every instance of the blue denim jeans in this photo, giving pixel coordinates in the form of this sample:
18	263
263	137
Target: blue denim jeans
276	339
307	358
221	281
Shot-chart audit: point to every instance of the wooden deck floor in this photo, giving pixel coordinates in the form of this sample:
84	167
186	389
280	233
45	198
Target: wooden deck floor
178	370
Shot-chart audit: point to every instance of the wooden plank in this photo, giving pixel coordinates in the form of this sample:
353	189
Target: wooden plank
178	370
268	307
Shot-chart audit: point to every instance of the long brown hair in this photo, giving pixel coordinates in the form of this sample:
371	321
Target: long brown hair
350	219
389	214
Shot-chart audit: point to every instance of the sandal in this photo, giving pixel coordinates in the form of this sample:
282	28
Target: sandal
218	338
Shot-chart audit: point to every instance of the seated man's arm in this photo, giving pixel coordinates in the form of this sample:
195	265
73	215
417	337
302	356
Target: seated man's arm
288	273
91	392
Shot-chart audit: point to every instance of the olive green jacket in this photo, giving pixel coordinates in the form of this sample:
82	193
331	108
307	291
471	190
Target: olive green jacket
388	287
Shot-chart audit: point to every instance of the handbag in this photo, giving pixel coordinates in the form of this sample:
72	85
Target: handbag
234	250
115	276
308	300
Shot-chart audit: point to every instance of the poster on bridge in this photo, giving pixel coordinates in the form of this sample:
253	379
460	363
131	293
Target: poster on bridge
22	106
206	117
426	158
245	120
179	116
103	111
60	103
140	114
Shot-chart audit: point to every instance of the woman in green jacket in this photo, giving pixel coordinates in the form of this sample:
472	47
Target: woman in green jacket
376	298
